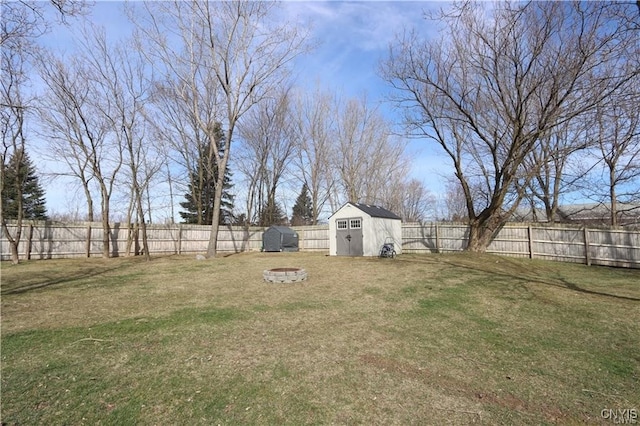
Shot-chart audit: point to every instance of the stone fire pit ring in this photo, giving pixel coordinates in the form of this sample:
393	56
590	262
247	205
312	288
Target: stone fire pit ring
284	275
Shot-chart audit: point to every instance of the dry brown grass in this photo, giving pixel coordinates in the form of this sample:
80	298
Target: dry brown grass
98	291
415	340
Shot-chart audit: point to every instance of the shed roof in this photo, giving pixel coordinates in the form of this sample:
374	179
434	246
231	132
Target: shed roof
282	229
375	211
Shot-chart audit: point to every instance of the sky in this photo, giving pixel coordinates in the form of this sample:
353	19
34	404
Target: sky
350	38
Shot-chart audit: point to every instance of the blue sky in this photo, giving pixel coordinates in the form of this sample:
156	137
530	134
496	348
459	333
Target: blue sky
352	38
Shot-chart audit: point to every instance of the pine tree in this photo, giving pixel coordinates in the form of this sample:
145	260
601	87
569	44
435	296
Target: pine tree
202	188
272	214
198	207
22	190
302	210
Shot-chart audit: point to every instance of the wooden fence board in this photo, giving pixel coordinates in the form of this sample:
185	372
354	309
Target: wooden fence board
591	246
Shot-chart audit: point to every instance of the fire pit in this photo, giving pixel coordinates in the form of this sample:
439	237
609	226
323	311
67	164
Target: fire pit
284	275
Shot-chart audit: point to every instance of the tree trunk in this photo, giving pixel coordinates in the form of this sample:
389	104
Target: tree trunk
13	243
90	218
106	234
15	258
106	229
551	209
131	233
215	222
612	195
143	227
136	238
482	231
88	243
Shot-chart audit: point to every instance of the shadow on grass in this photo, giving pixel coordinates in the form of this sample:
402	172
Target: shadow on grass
14	287
518	271
577	288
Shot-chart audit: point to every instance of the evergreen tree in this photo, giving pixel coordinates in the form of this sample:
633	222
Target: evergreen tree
198	207
22	189
272	214
302	210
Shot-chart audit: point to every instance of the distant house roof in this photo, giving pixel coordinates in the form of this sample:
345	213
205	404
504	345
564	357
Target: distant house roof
628	213
375	211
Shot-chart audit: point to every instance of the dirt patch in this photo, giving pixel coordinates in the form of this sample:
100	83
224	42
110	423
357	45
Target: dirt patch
459	388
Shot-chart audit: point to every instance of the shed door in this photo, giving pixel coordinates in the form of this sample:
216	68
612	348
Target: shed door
272	240
349	237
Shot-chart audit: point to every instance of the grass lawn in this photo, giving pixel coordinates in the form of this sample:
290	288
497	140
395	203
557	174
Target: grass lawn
420	339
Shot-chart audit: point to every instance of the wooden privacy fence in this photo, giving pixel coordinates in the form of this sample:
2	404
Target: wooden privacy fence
49	240
610	247
46	240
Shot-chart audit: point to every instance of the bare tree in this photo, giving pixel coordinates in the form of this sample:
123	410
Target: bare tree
493	86
314	124
78	130
23	21
225	57
118	70
181	140
12	126
21	24
455	205
250	161
552	163
409	198
367	155
66	133
617	134
19	27
267	147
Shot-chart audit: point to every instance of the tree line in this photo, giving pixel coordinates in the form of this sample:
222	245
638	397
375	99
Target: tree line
121	115
527	100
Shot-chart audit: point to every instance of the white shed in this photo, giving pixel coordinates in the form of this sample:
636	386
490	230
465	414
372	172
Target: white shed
361	230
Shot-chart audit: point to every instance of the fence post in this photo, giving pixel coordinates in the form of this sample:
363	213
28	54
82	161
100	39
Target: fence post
587	255
179	239
29	240
437	239
530	236
87	247
300	240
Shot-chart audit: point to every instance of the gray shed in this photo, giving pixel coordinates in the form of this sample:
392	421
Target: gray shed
361	230
280	238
